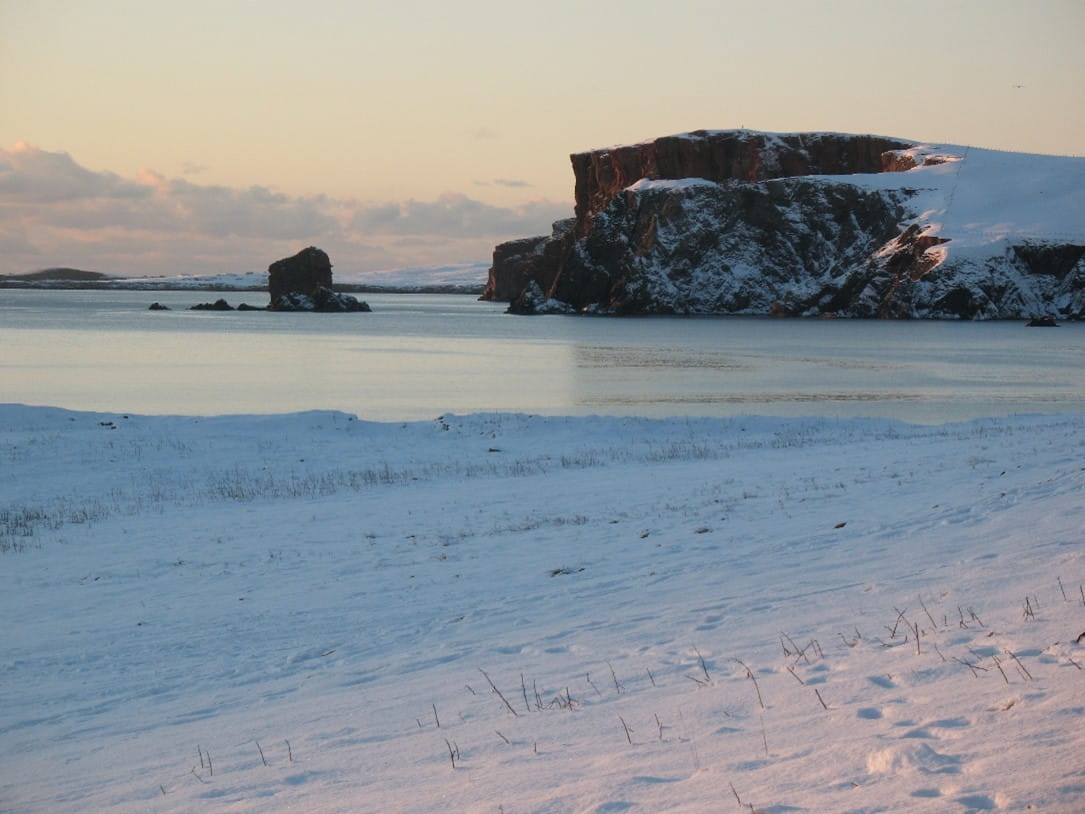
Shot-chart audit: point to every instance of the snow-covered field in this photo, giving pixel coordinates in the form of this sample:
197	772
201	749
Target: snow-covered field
506	613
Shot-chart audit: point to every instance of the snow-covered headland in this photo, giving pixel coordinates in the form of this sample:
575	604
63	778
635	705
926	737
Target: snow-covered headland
500	612
808	224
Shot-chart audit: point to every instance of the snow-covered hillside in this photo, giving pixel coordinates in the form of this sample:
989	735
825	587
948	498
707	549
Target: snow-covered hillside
509	613
976	197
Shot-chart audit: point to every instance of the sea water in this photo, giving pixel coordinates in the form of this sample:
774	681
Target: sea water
417	356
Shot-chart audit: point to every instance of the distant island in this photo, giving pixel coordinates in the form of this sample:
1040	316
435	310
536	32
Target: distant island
56	275
808	224
465	278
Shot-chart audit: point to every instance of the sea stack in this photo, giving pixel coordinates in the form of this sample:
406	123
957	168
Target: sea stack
304	283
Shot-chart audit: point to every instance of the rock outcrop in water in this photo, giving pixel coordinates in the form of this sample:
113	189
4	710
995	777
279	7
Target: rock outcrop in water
304	283
529	260
737	222
217	305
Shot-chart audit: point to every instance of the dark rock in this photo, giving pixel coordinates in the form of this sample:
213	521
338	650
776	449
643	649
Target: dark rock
1022	281
787	247
527	301
1058	260
157	306
300	274
217	305
246	307
1043	322
304	283
532	300
320	299
795	247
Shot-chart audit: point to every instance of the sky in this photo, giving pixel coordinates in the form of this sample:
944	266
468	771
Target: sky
207	137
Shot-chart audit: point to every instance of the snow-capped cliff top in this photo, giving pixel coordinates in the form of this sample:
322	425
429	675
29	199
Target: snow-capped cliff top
976	197
971	196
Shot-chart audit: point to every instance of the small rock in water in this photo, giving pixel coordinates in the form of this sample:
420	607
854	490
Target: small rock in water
217	305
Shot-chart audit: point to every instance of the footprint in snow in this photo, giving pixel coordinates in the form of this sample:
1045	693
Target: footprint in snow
978	802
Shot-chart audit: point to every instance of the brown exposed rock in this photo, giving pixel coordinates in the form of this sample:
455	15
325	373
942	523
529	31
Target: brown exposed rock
902	160
515	264
721	156
532	259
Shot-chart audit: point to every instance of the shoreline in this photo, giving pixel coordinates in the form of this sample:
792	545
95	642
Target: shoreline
347	288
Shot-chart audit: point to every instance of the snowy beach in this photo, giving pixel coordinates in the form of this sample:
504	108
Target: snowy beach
501	612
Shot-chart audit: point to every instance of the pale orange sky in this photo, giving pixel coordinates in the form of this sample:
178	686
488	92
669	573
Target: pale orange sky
184	137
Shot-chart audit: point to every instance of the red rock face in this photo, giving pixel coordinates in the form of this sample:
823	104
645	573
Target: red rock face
721	156
519	262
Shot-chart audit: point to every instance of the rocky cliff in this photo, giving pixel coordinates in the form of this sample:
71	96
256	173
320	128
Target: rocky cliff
722	156
808	224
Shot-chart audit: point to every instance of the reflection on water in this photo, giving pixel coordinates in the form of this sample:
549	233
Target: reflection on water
417	356
760	398
590	356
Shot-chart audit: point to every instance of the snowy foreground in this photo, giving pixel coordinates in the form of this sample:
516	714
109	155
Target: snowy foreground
503	613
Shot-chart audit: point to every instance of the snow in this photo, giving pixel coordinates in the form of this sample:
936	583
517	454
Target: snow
647	184
305	612
980	200
462	275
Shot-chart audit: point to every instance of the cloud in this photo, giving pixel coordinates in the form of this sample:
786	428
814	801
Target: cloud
454	214
254	212
512	183
33	175
55	212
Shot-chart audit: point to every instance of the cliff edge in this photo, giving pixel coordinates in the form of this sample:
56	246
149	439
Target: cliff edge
808	224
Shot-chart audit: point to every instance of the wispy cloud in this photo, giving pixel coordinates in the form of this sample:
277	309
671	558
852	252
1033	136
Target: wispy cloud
53	211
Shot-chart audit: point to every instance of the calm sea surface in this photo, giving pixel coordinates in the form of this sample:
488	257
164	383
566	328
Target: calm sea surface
418	356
